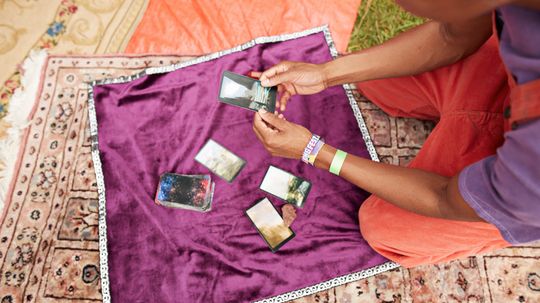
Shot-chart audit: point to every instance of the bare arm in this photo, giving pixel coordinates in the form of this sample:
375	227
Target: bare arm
415	190
424	48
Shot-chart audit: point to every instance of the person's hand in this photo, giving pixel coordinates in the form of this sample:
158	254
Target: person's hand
280	137
293	78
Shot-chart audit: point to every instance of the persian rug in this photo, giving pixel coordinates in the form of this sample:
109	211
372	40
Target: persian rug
55	258
49	227
156	121
202	27
66	26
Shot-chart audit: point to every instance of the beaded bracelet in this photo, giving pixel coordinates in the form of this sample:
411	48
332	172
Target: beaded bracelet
309	148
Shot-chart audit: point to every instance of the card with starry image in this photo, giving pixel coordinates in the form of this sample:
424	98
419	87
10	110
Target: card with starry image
193	192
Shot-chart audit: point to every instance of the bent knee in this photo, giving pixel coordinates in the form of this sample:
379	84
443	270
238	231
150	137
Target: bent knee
367	216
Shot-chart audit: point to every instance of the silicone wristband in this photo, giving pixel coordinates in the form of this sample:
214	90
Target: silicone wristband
309	148
315	152
337	162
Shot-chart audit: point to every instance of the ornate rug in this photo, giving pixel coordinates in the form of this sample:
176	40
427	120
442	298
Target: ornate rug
49	250
49	231
61	27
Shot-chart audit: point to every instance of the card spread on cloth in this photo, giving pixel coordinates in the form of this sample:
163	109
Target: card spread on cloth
157	122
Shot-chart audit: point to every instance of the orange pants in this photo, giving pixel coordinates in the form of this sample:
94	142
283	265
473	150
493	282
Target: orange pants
466	99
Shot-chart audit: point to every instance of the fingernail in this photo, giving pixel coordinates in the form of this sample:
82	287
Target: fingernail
265	82
262	111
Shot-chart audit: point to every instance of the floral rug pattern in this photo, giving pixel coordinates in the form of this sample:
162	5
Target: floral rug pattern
76	26
48	238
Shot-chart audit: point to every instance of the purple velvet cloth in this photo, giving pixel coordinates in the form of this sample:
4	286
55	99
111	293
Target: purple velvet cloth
157	124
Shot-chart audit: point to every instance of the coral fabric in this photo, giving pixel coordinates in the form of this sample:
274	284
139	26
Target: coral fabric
199	27
157	124
467	99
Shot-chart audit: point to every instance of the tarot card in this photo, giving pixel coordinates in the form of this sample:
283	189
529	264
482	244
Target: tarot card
194	192
286	186
220	160
246	92
269	223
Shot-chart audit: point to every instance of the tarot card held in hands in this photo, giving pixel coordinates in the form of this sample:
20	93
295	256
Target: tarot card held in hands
246	92
220	160
194	192
269	223
286	186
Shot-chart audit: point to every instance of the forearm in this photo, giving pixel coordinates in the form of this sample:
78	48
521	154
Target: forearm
424	48
415	190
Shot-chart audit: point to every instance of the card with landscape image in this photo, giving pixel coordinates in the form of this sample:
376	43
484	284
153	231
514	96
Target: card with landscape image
246	92
286	186
270	224
220	160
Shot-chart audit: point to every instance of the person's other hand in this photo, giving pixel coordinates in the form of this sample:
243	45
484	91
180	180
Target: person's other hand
293	78
280	137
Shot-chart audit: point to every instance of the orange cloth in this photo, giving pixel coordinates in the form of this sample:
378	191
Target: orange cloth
199	27
467	99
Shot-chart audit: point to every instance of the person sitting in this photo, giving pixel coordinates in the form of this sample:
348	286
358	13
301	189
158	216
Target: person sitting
475	184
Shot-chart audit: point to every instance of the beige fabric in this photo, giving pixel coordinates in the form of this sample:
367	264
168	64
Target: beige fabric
62	27
22	23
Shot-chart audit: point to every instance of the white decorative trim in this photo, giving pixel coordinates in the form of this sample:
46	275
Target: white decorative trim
19	107
259	40
354	106
306	291
102	210
104	268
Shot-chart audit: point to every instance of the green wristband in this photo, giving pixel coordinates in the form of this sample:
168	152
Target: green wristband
337	162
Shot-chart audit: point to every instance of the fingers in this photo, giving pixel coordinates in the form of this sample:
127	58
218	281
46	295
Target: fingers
273	120
261	127
275	75
280	92
263	132
256	129
255	75
284	100
274	70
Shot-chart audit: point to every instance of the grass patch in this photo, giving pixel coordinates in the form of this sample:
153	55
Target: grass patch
379	21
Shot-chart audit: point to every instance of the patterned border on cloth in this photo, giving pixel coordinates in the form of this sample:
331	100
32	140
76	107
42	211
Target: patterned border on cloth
104	267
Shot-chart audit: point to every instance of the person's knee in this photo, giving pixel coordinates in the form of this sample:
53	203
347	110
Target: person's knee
367	217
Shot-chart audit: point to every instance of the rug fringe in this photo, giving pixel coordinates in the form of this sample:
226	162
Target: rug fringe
19	108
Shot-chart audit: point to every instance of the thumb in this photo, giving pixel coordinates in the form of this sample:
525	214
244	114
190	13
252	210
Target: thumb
272	72
272	119
287	76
